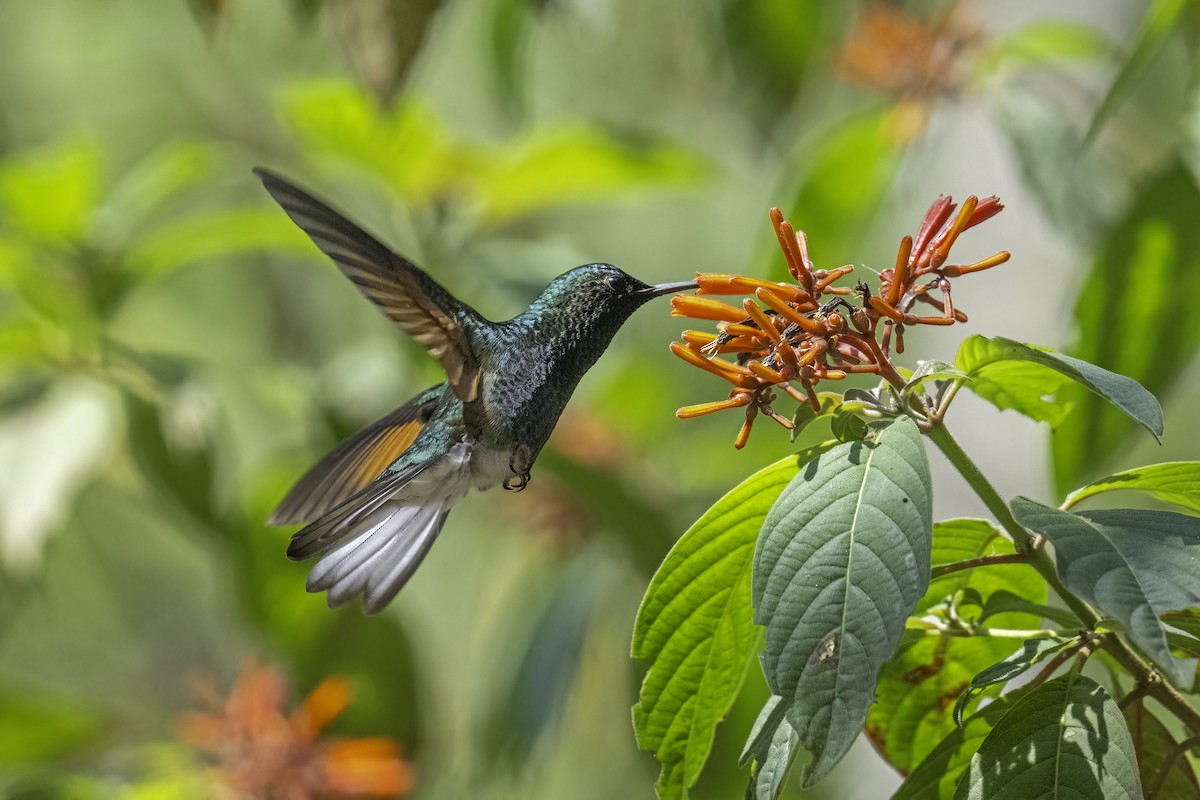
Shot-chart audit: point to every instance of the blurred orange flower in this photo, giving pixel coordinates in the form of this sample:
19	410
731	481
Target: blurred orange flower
913	58
263	752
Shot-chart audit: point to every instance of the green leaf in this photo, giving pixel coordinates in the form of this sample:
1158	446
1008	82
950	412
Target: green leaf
1065	738
932	370
36	728
577	164
773	747
406	144
1081	190
1175	482
694	627
51	194
1046	43
1018	376
842	560
805	414
1030	653
908	718
1157	26
1005	602
846	425
1147	270
214	235
1152	743
938	773
154	181
1133	565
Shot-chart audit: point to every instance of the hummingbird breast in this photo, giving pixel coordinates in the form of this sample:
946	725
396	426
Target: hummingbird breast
530	373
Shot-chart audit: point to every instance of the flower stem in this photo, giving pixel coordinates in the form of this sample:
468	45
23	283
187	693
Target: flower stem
1029	545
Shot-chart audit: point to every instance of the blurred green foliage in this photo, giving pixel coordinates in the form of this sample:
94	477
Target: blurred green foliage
173	352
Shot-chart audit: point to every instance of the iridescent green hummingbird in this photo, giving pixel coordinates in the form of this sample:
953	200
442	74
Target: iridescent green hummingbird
375	504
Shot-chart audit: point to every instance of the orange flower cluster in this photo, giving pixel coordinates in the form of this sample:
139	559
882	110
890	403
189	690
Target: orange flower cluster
797	336
264	753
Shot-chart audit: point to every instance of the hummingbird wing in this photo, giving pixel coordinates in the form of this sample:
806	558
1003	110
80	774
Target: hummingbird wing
373	542
356	462
412	299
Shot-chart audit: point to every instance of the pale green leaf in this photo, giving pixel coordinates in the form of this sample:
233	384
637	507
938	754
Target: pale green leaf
51	194
1066	738
1047	42
1175	482
1133	565
215	235
1020	376
576	164
842	561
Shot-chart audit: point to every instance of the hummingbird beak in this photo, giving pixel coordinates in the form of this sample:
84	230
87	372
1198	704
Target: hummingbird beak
667	288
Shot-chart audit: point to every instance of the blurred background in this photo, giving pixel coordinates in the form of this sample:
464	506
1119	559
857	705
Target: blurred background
174	353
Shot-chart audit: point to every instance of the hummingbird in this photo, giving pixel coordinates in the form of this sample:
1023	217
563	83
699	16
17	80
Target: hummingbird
375	504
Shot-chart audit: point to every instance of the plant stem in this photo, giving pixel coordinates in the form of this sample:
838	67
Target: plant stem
991	633
979	561
1029	545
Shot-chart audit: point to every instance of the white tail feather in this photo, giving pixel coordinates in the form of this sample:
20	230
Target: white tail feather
383	549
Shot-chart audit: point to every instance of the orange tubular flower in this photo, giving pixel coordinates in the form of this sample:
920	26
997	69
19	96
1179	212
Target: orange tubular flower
262	752
804	337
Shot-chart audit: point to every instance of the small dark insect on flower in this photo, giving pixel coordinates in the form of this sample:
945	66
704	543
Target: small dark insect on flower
791	336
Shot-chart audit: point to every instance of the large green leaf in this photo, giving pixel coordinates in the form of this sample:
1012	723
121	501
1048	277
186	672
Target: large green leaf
1065	738
1018	376
1152	743
1146	273
1031	652
841	562
694	627
936	777
1175	482
1134	565
908	718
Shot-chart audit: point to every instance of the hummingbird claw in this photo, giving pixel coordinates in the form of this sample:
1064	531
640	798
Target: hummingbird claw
516	483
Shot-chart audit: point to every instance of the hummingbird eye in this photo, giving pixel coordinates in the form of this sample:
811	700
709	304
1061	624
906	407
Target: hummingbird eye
619	284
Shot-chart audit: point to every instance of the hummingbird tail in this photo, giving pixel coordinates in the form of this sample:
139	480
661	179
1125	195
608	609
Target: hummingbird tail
357	461
374	542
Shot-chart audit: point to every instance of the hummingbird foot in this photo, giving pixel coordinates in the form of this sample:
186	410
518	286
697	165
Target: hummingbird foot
515	482
519	463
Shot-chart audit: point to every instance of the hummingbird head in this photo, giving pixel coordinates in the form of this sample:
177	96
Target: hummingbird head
609	289
590	303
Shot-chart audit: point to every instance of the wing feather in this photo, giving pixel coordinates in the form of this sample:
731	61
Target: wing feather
361	458
408	296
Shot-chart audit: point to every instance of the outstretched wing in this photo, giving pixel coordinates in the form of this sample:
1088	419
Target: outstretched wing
373	542
412	299
356	462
